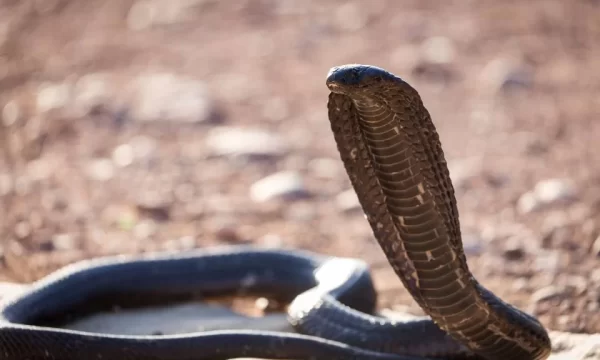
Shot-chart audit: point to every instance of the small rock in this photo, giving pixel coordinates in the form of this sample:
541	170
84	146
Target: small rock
547	293
555	190
472	244
10	113
182	243
547	193
547	261
63	242
227	232
143	146
92	91
6	184
438	50
52	96
230	141
168	97
520	285
144	229
513	251
54	201
347	201
274	241
101	170
39	169
187	242
528	203
154	206
22	229
285	185
504	74
123	155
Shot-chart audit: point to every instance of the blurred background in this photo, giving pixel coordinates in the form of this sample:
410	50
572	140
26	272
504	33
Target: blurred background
132	126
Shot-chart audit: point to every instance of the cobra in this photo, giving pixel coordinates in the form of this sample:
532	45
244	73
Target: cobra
392	154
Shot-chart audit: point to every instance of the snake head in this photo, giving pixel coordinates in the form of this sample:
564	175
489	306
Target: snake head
360	81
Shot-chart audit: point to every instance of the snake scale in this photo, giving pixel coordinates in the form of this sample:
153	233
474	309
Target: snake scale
393	157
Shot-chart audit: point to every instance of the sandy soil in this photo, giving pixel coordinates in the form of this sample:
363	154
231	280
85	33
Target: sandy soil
139	126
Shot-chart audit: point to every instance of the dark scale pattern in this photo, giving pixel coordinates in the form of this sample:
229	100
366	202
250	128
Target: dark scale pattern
393	155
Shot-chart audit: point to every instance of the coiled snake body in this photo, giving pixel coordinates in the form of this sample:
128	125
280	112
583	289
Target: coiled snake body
395	162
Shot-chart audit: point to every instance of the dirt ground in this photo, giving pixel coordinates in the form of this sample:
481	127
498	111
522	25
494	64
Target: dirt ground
140	126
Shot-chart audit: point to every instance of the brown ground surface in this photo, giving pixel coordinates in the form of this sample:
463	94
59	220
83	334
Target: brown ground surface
512	86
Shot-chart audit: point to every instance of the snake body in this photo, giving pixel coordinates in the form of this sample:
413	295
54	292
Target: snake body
393	157
211	271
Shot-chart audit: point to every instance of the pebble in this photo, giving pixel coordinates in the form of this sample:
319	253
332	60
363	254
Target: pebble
347	201
528	203
233	141
52	96
144	229
169	97
63	242
38	170
285	185
101	170
554	190
504	74
6	184
547	261
22	229
472	244
91	92
547	293
182	243
438	50
154	205
546	193
143	146
272	241
123	155
513	251
227	232
10	113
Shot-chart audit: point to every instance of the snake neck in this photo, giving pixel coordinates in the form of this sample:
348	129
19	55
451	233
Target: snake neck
393	156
